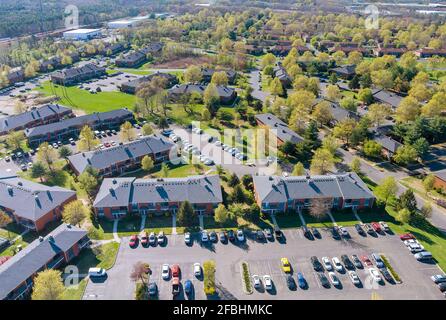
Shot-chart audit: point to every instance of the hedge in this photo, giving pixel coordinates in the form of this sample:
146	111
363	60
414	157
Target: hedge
390	268
209	277
246	277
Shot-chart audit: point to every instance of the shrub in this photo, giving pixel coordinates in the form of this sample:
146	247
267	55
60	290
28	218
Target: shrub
246	277
209	277
390	268
141	291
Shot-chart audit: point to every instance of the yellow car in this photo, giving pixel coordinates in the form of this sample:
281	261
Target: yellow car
286	266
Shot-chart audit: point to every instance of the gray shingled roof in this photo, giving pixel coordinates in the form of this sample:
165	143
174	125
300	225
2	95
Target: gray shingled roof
387	97
28	261
223	91
75	71
387	143
31	200
441	174
283	132
280	189
102	159
117	192
23	119
76	122
136	82
346	70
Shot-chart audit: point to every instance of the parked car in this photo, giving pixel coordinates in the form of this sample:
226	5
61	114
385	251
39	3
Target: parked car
375	275
286	266
423	256
269	234
317	266
376	227
197	269
347	263
327	264
337	264
359	229
378	261
442	286
240	236
204	236
323	280
256	281
384	226
407	236
187	238
175	271
357	262
315	232
365	259
144	239
213	236
165	271
368	228
161	238
335	233
290	282
386	274
176	286
334	279
354	278
96	272
133	241
223	237
152	239
188	287
268	282
301	280
153	289
439	278
231	236
306	232
278	233
344	232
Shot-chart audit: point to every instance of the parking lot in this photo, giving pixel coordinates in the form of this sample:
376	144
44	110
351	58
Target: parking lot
110	83
264	259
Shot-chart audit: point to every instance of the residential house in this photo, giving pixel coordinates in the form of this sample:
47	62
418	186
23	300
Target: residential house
131	86
346	72
340	191
111	49
389	145
131	60
50	64
55	250
31	204
391	50
119	159
226	94
254	49
16	75
118	197
35	117
440	179
387	97
430	52
279	128
62	130
280	73
75	75
207	74
340	114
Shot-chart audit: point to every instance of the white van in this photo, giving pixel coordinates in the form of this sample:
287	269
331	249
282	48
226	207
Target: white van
425	255
96	272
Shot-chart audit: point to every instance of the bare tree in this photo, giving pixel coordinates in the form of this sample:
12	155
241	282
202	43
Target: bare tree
319	207
140	272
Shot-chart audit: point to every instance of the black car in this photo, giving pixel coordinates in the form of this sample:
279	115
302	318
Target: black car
335	233
357	262
153	289
290	282
213	236
307	232
269	234
317	266
260	236
223	237
323	280
386	274
278	233
231	236
442	286
347	263
315	232
359	229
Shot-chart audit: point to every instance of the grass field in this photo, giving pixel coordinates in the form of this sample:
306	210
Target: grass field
83	100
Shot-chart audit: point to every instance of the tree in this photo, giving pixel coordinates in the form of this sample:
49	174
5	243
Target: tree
276	87
87	139
344	129
421	146
407	110
355	165
222	215
403	216
333	93
147	163
247	181
127	132
407	201
38	170
233	180
89	179
15	140
147	129
348	103
298	170
288	148
220	78
48	285
319	208
205	115
140	272
193	74
211	98
74	212
268	60
322	162
238	195
165	170
64	152
186	215
354	57
429	182
4	221
322	113
426	210
405	155
378	112
387	189
19	107
382	79
372	149
365	95
329	143
47	155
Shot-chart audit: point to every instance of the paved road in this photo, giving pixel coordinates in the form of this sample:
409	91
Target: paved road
255	83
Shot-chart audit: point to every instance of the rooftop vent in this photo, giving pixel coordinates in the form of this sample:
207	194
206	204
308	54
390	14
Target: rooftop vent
41	239
114	181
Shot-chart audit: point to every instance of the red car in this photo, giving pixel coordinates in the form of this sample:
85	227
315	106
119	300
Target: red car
175	271
407	236
144	239
376	226
366	261
107	144
133	241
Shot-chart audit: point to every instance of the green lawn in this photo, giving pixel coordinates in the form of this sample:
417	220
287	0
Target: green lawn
82	99
88	258
288	220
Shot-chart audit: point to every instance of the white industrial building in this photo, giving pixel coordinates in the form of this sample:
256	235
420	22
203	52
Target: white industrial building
122	24
82	34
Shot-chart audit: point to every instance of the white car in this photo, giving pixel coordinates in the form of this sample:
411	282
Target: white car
327	264
197	269
165	271
161	237
343	231
415	247
337	264
375	275
268	282
187	238
240	236
384	226
204	236
333	278
96	272
256	281
218	143
354	278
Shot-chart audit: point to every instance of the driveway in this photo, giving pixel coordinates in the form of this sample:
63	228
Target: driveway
264	258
